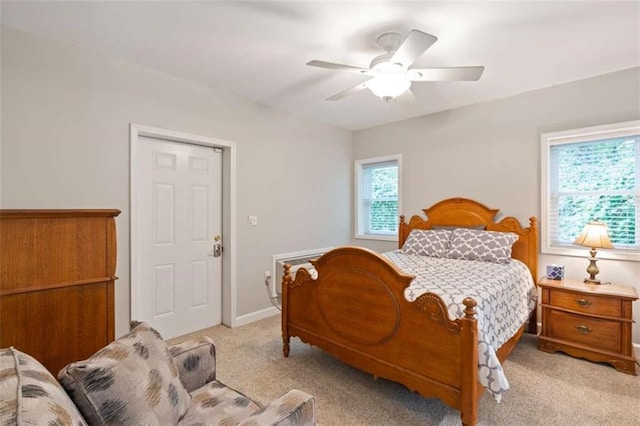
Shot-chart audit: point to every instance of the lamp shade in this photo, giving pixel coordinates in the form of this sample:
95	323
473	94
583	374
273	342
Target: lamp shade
595	234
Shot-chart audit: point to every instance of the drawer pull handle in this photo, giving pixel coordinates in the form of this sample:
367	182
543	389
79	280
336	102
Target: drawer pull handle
583	302
583	329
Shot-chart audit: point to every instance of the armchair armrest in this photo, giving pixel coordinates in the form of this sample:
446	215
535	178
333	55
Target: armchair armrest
294	408
196	362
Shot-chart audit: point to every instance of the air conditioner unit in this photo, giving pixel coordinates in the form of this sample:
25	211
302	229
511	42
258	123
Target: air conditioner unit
297	260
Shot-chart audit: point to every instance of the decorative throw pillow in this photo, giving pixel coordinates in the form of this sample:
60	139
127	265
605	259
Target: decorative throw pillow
30	395
133	380
427	243
489	246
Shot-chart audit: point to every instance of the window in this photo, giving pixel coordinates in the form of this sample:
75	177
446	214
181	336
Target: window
592	174
378	185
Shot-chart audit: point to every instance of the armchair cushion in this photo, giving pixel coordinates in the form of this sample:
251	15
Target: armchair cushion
133	380
30	395
218	404
294	408
196	362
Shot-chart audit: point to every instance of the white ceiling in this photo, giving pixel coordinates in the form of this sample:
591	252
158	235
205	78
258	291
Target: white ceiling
258	50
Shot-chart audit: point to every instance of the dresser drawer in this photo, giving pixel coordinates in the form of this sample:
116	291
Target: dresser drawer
594	332
587	303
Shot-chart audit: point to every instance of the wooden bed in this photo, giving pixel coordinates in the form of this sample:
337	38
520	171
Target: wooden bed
356	311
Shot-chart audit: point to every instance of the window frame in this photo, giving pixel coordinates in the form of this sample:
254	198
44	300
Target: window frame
586	134
360	224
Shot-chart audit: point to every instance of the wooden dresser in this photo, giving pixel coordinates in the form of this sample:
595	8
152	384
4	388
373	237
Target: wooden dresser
57	272
589	321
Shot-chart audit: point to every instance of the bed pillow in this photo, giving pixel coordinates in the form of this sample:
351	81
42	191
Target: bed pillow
133	380
488	246
433	243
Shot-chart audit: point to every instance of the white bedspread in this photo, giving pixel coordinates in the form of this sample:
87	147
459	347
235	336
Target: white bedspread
506	294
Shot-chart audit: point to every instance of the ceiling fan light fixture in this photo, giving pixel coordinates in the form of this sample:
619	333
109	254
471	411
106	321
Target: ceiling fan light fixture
391	72
389	86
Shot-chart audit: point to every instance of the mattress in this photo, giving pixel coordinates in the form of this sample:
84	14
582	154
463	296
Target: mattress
505	293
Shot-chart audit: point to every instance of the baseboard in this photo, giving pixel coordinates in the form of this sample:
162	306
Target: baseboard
255	316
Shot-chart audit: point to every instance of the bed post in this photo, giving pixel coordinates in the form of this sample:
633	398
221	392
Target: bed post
469	367
533	268
401	232
286	280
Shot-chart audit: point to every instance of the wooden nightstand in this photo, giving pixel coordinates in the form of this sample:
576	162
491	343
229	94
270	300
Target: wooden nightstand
588	321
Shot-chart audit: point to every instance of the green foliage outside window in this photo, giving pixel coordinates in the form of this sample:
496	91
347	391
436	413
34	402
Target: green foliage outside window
597	181
383	210
383	216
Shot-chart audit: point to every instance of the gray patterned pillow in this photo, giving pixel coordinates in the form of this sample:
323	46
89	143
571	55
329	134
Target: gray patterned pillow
30	395
433	243
489	246
133	380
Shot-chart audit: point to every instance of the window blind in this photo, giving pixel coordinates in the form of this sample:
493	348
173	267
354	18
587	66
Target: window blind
595	180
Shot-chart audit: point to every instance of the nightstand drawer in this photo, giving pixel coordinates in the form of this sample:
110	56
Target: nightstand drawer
587	303
584	330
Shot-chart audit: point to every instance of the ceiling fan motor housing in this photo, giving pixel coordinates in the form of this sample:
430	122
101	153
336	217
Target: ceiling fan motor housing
390	41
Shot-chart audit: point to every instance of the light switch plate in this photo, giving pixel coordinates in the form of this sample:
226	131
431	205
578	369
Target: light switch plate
253	220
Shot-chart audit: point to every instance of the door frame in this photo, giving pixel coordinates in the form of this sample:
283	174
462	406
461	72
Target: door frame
229	264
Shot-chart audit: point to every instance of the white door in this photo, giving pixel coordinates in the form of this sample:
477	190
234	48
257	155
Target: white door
178	223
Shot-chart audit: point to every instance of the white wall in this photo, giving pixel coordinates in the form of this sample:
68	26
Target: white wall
490	152
65	144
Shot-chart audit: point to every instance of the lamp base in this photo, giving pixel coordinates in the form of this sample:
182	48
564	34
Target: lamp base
592	269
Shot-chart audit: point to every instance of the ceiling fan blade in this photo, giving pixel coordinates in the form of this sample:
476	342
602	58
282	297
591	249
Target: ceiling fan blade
414	45
339	67
349	91
446	74
406	100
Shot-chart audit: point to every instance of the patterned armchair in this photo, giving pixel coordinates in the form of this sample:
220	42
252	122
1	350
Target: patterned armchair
137	380
196	361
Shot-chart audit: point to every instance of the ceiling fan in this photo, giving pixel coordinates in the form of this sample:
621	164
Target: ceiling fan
390	72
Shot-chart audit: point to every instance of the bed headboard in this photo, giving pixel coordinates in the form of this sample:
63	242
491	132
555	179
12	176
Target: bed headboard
462	212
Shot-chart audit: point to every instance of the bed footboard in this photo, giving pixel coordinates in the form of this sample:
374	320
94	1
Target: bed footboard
356	311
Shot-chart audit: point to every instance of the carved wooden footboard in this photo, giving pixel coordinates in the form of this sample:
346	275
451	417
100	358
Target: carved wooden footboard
356	311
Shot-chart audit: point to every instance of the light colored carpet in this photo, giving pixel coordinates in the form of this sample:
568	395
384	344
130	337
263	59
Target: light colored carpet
546	389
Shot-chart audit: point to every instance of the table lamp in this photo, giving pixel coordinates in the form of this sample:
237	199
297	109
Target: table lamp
594	235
